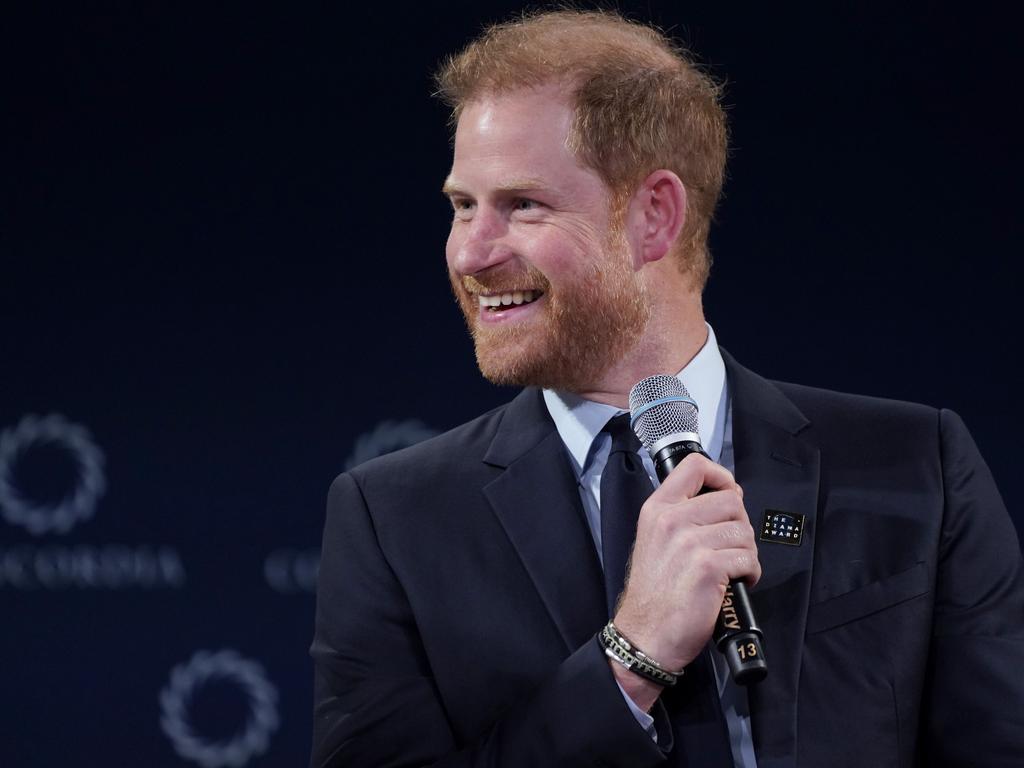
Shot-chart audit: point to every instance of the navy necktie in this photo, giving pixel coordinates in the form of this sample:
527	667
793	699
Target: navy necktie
625	486
699	732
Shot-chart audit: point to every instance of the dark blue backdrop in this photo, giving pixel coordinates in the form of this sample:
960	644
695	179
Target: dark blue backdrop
222	282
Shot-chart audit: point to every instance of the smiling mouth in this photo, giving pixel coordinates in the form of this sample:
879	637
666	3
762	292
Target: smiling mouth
496	302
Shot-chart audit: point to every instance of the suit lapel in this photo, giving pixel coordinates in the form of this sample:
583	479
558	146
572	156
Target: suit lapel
537	501
778	470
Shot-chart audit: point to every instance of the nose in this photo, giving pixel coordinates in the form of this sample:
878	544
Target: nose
479	243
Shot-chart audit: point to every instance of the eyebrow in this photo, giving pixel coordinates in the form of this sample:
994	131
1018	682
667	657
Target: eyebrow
525	184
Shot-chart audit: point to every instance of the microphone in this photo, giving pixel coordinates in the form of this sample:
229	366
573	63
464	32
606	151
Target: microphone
664	417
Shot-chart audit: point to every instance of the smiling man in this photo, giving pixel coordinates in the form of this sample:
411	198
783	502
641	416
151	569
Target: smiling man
466	582
530	220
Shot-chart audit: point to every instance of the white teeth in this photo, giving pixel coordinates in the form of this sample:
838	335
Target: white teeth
507	299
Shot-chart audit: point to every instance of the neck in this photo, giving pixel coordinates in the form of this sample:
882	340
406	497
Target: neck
672	338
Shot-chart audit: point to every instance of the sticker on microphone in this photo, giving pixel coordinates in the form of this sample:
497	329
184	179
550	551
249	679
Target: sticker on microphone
782	527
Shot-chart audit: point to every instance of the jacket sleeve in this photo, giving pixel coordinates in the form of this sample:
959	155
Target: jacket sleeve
974	701
376	703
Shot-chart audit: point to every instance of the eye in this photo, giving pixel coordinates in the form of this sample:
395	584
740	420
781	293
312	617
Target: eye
525	204
462	208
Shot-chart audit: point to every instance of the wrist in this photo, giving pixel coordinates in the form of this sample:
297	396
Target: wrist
651	641
641	691
620	650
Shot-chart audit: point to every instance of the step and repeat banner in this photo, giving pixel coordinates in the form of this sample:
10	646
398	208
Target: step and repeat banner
223	283
143	639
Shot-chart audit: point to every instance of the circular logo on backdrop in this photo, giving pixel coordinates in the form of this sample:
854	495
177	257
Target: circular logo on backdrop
35	433
389	435
180	701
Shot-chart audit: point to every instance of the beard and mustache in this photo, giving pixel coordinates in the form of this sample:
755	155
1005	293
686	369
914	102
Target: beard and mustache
582	329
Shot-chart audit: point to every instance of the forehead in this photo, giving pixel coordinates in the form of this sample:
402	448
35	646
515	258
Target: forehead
542	113
522	135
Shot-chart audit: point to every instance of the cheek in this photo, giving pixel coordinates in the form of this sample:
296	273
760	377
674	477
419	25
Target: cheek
558	253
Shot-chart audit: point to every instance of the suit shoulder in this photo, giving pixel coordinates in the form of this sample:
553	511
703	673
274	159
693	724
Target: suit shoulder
435	456
422	491
844	413
815	400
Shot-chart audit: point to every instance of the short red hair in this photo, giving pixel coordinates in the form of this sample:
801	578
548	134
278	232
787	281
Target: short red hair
641	104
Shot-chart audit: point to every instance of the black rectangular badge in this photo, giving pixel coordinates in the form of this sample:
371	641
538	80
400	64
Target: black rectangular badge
782	527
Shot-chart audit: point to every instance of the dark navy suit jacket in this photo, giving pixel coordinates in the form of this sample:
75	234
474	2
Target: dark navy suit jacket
460	592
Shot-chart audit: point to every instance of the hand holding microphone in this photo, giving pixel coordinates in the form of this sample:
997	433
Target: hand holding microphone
694	545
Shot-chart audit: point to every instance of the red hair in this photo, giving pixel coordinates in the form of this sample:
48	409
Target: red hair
641	103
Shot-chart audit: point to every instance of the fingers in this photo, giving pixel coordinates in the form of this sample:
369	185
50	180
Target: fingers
736	563
706	509
701	528
702	566
733	539
694	473
731	534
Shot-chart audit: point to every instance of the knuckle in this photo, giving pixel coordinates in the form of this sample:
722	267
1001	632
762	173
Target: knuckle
665	524
742	564
688	546
748	563
695	465
731	534
745	533
751	539
728	507
704	565
737	506
694	459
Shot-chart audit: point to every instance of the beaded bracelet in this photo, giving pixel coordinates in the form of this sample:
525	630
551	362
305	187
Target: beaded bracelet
619	648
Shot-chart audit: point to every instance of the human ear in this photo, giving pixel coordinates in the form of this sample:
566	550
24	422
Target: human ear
656	214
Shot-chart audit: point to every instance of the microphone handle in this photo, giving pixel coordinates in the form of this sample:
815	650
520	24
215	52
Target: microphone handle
736	632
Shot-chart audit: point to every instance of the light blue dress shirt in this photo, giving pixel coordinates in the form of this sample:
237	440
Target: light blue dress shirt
579	423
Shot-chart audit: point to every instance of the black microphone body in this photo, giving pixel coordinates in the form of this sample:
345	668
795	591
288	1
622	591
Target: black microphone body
736	632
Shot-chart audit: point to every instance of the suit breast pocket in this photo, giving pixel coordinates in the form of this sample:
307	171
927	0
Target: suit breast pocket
869	599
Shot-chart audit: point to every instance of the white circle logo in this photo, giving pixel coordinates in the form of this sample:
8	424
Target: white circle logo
76	505
177	699
388	436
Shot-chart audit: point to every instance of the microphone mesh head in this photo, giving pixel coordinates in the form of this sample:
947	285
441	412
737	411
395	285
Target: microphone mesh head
664	419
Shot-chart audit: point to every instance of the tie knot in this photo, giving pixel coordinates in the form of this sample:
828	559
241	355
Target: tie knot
623	436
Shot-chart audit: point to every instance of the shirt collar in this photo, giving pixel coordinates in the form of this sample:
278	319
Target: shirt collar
579	421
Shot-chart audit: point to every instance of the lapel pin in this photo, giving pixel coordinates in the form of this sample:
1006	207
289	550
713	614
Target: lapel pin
782	527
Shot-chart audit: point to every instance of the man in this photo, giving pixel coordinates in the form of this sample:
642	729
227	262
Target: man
464	581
